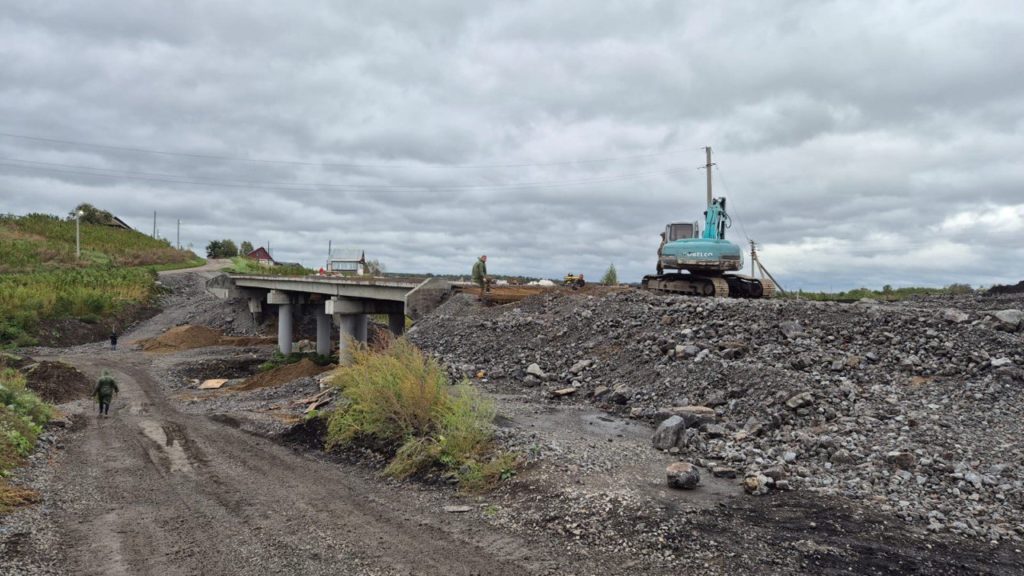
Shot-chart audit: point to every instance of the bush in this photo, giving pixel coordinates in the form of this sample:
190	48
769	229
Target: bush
22	415
611	277
400	401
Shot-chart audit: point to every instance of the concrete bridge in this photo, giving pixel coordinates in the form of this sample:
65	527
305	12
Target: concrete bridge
344	301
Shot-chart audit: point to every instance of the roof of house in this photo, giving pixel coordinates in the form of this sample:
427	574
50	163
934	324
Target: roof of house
260	254
118	223
348	256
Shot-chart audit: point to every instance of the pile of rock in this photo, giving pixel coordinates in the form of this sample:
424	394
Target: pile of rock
915	406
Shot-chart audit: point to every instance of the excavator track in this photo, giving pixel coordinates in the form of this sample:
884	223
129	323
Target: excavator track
727	286
688	284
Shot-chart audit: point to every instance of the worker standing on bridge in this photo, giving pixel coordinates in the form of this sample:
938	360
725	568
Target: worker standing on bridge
105	389
480	277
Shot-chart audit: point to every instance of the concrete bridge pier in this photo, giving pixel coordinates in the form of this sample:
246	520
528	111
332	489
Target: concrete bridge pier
323	331
346	327
396	323
359	332
283	301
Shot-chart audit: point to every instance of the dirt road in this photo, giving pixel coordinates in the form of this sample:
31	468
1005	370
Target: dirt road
151	490
169	493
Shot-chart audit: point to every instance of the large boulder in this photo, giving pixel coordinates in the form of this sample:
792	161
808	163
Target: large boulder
668	433
682	475
693	415
1009	320
954	315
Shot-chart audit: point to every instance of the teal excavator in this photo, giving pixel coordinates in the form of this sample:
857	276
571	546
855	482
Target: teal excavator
702	260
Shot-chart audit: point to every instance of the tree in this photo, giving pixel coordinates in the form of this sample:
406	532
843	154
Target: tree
245	248
213	249
221	249
374	267
91	214
611	277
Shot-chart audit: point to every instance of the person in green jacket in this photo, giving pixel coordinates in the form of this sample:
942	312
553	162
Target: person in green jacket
105	389
480	275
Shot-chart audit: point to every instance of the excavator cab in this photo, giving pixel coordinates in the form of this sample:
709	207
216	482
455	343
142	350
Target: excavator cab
680	230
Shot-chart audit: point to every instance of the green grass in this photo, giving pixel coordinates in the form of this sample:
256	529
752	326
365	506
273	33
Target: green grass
40	241
192	263
87	294
241	265
41	279
887	293
400	401
22	416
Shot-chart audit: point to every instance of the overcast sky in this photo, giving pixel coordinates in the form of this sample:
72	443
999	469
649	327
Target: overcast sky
860	143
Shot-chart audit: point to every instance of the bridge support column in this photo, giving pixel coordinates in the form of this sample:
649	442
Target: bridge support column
396	323
284	319
323	332
346	328
359	329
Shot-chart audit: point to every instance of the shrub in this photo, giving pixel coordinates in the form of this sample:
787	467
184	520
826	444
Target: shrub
611	277
400	401
22	415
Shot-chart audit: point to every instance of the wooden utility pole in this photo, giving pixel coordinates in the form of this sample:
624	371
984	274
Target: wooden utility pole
179	234
154	223
754	260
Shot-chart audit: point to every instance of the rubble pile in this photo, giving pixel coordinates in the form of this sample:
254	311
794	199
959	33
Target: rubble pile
912	408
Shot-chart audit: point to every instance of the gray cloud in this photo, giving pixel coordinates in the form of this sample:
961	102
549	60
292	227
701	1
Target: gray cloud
859	143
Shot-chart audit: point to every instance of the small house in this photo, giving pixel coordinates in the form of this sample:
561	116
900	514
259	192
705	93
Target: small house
347	262
261	256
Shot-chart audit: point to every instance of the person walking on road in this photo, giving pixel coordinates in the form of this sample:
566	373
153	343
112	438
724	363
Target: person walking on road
480	275
113	340
105	389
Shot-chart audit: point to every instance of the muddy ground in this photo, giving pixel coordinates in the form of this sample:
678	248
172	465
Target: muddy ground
188	481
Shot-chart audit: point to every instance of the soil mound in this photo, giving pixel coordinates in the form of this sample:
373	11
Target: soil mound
187	337
283	375
57	382
1017	288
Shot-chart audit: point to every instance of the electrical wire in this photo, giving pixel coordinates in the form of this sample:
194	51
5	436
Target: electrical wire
739	220
304	187
326	164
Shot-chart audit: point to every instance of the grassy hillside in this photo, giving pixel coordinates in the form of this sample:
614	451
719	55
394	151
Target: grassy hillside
42	282
39	241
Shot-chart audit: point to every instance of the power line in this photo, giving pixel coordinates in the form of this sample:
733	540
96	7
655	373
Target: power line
303	187
324	164
733	209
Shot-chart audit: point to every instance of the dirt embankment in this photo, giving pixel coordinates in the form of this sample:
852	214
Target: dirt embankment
1017	288
188	337
282	375
72	331
54	382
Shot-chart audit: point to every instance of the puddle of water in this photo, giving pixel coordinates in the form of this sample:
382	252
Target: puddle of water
173	449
